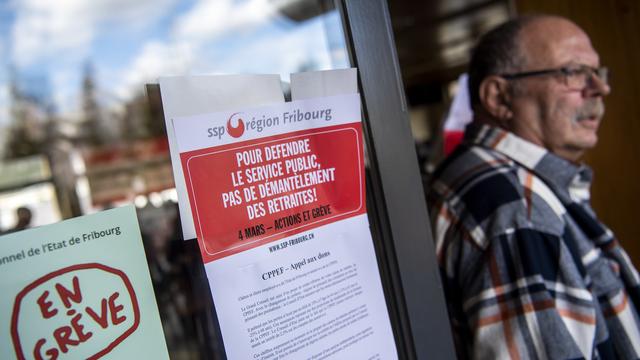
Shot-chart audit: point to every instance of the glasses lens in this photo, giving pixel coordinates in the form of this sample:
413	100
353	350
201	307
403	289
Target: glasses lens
603	74
577	78
581	77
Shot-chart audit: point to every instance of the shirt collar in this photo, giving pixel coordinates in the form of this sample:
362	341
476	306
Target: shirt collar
563	174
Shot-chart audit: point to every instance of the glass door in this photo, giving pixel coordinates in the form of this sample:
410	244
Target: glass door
85	136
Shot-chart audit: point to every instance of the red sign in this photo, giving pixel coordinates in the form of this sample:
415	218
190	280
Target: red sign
246	194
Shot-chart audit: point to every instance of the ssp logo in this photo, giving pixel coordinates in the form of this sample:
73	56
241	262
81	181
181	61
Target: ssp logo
238	130
235	128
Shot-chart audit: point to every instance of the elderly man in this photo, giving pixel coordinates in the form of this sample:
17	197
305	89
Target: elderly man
529	271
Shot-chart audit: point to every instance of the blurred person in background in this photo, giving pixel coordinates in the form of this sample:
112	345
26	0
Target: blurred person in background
528	269
23	216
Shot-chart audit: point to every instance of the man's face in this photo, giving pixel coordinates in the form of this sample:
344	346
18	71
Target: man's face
548	111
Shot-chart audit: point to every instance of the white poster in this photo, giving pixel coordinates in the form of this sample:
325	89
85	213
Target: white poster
277	195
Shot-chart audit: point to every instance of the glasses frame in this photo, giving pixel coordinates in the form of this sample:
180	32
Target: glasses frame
602	73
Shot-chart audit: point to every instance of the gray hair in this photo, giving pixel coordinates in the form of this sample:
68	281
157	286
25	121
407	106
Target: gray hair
497	52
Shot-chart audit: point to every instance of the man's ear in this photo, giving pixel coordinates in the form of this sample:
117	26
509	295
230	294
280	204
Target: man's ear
495	97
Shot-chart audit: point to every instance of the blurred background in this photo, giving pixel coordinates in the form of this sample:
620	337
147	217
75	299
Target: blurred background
433	40
80	130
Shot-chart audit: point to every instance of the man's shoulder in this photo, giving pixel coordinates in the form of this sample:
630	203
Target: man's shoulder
472	168
490	194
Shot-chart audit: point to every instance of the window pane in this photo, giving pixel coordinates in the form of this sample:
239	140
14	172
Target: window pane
80	135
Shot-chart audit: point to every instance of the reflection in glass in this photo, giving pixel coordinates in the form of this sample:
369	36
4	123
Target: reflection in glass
79	133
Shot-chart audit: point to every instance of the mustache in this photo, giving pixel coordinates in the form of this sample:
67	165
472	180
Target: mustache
591	109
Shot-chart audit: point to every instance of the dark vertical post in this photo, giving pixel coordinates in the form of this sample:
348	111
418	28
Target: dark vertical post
398	195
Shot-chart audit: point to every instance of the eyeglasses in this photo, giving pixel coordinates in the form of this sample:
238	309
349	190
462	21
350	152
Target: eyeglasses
574	77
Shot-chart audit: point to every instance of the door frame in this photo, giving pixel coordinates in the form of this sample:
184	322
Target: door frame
399	207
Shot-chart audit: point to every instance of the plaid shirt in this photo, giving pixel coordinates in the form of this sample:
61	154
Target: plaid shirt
529	271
